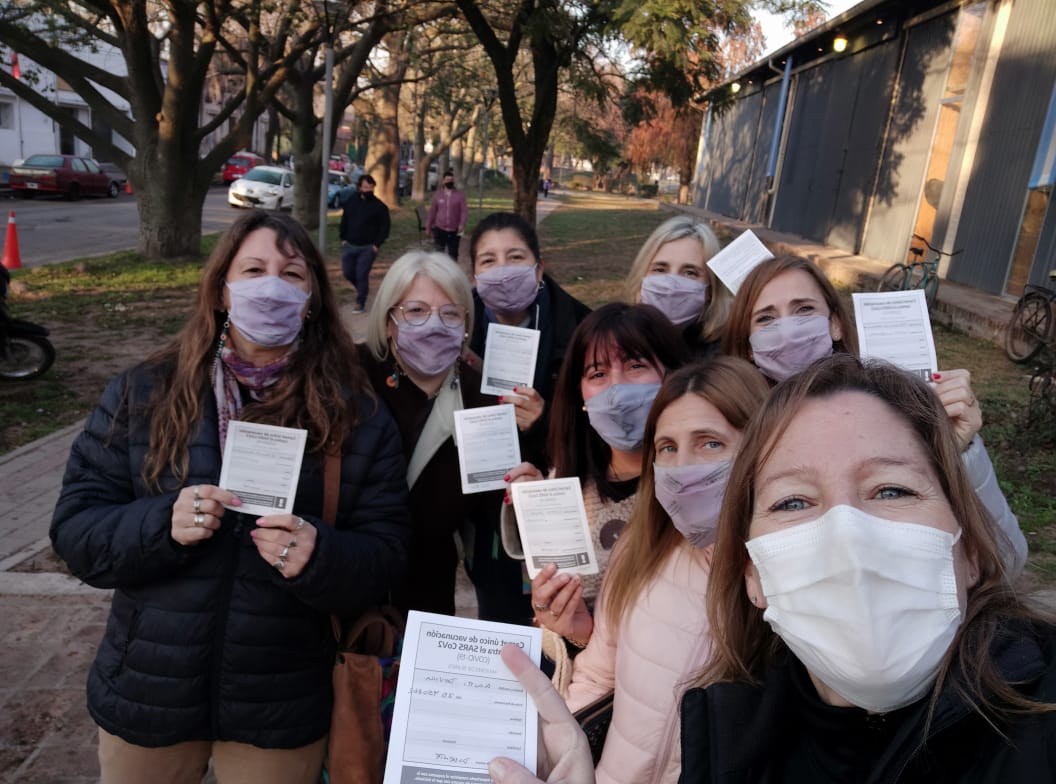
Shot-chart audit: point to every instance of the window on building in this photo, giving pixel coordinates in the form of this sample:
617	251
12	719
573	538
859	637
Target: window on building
7	115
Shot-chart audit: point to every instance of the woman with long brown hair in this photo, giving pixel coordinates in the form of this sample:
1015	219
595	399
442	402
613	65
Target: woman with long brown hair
650	635
863	621
218	643
787	315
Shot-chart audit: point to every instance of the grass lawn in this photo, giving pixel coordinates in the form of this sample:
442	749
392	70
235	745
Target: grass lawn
108	312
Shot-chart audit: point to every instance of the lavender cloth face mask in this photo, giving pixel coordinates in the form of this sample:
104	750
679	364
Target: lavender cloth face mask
618	414
679	298
786	346
267	310
692	496
430	348
508	289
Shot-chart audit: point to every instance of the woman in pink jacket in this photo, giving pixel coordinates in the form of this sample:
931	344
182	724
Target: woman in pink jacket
651	633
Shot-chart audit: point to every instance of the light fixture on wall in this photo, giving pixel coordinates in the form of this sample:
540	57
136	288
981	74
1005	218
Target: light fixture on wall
839	43
735	87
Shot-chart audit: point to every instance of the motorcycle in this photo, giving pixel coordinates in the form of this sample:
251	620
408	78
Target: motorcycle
25	351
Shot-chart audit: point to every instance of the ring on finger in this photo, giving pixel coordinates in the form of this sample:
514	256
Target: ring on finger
197	492
293	542
541	607
285	552
199	520
280	564
197	505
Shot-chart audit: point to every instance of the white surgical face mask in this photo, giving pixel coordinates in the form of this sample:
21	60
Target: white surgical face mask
869	606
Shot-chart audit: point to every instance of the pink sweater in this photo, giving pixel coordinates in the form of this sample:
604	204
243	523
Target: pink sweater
661	644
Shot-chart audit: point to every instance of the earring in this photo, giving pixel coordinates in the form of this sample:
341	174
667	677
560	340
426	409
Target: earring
223	336
393	381
754	599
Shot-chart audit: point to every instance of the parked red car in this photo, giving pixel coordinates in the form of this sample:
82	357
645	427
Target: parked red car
238	164
66	174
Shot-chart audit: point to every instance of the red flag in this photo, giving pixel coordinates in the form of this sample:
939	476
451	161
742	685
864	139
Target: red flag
15	70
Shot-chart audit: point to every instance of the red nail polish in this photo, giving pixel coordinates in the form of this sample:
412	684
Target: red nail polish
506	500
500	398
506	478
515	389
936	376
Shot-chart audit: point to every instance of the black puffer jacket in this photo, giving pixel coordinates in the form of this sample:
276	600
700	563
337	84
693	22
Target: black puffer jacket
780	732
209	642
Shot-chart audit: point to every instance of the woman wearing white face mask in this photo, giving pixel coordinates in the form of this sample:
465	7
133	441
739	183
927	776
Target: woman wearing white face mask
787	315
671	273
218	641
416	335
650	635
615	364
869	632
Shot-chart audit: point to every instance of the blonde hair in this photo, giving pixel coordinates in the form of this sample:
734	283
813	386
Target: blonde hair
717	309
439	268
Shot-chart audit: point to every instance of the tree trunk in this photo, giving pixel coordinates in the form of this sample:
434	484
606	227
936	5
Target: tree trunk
383	150
307	153
170	224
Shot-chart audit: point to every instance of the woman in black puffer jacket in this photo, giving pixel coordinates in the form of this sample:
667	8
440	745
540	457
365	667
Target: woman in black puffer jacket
218	642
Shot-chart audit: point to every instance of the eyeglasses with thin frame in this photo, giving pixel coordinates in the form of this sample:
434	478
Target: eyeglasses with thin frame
417	313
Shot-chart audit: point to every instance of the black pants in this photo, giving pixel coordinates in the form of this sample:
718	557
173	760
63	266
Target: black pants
446	241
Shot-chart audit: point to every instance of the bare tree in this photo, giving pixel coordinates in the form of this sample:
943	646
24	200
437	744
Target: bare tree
169	48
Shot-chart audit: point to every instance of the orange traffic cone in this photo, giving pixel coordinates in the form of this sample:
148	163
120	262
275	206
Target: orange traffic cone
12	259
128	186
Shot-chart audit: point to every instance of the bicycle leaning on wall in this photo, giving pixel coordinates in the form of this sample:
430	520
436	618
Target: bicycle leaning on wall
1030	335
919	273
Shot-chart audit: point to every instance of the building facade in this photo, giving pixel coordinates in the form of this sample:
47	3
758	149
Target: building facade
901	117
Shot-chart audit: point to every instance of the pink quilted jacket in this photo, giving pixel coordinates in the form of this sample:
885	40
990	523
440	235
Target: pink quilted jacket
659	647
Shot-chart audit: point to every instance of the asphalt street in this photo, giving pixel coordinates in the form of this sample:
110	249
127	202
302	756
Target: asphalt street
51	229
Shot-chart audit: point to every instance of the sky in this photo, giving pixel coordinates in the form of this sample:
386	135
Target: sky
775	32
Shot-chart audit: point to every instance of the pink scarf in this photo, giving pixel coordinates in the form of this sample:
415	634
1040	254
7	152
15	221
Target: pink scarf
230	370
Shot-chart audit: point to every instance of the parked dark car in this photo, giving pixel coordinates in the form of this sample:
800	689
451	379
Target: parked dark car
117	177
66	174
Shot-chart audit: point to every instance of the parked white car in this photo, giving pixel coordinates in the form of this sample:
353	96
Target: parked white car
264	187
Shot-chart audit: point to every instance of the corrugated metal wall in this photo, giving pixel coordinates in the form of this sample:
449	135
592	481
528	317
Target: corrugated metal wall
905	161
834	139
754	210
993	205
730	155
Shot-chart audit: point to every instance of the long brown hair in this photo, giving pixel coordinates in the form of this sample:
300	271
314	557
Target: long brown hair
632	331
743	644
312	394
739	325
737	389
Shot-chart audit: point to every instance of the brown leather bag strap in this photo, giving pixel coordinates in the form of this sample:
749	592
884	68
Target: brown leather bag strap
331	490
331	487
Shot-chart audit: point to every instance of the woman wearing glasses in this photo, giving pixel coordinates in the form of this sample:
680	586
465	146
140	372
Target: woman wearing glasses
416	333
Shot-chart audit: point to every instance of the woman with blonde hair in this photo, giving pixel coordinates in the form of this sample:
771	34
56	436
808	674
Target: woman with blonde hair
218	643
650	635
863	621
671	273
416	335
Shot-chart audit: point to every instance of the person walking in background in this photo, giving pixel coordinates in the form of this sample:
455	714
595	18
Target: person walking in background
364	227
447	216
548	185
